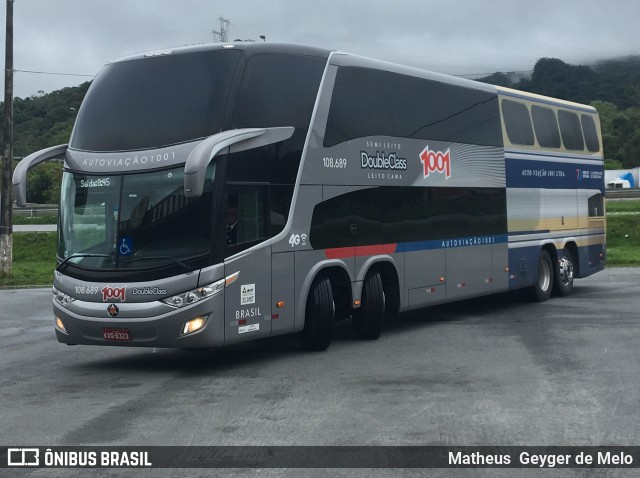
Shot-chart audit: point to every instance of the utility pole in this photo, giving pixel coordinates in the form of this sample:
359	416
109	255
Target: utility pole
222	36
6	198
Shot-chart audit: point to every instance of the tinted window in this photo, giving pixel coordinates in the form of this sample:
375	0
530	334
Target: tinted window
364	217
546	127
440	213
590	133
517	122
571	130
154	102
388	215
368	102
596	206
276	90
245	217
254	213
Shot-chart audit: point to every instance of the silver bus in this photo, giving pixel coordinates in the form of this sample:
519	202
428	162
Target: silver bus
217	194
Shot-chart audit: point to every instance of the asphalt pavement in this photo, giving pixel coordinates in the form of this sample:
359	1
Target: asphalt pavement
490	371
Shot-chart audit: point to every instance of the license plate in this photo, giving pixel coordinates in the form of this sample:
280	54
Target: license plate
117	335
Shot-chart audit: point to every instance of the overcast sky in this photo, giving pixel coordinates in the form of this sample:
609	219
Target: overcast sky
449	36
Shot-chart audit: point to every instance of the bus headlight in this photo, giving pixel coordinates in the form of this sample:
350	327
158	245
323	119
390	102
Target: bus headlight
61	298
196	295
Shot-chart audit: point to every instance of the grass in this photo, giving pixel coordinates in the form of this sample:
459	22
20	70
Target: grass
627	205
34	259
21	220
623	240
34	252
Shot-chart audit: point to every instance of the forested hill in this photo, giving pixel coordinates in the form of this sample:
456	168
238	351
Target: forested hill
614	81
613	87
44	120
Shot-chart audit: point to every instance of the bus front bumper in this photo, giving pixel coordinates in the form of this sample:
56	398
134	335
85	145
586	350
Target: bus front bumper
165	330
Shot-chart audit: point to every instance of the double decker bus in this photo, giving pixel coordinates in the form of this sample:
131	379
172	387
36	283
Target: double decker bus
223	193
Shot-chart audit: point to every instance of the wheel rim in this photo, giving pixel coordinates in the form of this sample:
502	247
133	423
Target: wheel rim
544	276
565	271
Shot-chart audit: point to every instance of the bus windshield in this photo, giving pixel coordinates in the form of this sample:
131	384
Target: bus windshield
154	102
133	221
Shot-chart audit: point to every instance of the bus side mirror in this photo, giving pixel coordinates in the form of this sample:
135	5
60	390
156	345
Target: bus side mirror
20	173
238	140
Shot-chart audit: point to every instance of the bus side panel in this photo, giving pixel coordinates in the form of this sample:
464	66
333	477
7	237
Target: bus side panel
468	271
527	225
248	300
424	270
593	250
282	290
523	260
500	267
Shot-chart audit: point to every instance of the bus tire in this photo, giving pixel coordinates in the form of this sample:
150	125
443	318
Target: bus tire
563	278
368	319
544	278
319	316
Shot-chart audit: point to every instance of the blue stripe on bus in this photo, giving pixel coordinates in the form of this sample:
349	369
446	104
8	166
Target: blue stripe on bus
554	154
523	173
452	243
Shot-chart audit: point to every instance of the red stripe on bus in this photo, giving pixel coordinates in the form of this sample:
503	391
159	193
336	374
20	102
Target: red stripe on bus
342	252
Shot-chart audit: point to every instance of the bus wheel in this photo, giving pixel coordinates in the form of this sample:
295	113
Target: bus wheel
544	280
319	315
563	283
368	319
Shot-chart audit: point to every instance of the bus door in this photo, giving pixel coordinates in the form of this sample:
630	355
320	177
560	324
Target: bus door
247	299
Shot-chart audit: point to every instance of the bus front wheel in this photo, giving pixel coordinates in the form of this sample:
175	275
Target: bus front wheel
319	316
368	319
544	278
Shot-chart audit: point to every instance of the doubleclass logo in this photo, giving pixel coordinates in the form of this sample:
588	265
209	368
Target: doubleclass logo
436	162
389	161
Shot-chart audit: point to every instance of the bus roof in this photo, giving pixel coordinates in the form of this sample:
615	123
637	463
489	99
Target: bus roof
525	95
248	47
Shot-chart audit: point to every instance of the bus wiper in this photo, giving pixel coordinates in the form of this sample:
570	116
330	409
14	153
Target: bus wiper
73	256
156	258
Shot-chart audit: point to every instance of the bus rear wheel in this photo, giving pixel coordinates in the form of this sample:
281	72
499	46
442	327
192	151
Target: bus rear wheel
319	316
368	319
544	278
563	283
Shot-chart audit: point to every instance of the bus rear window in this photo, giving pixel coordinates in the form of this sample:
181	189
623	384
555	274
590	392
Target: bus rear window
590	133
155	102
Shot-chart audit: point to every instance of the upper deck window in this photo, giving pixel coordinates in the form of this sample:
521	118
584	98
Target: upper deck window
517	122
590	133
546	126
278	90
570	130
155	102
370	102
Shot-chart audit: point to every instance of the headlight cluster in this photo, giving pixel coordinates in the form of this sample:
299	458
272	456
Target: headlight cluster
196	295
61	298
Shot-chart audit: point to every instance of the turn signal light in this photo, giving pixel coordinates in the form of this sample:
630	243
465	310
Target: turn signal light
60	325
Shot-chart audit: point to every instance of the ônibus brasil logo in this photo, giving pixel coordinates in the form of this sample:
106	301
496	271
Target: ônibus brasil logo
110	294
436	162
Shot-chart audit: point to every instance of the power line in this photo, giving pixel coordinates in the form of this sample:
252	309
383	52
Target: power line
462	75
53	73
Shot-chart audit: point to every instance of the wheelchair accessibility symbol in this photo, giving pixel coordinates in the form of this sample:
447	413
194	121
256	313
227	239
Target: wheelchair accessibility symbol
126	246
